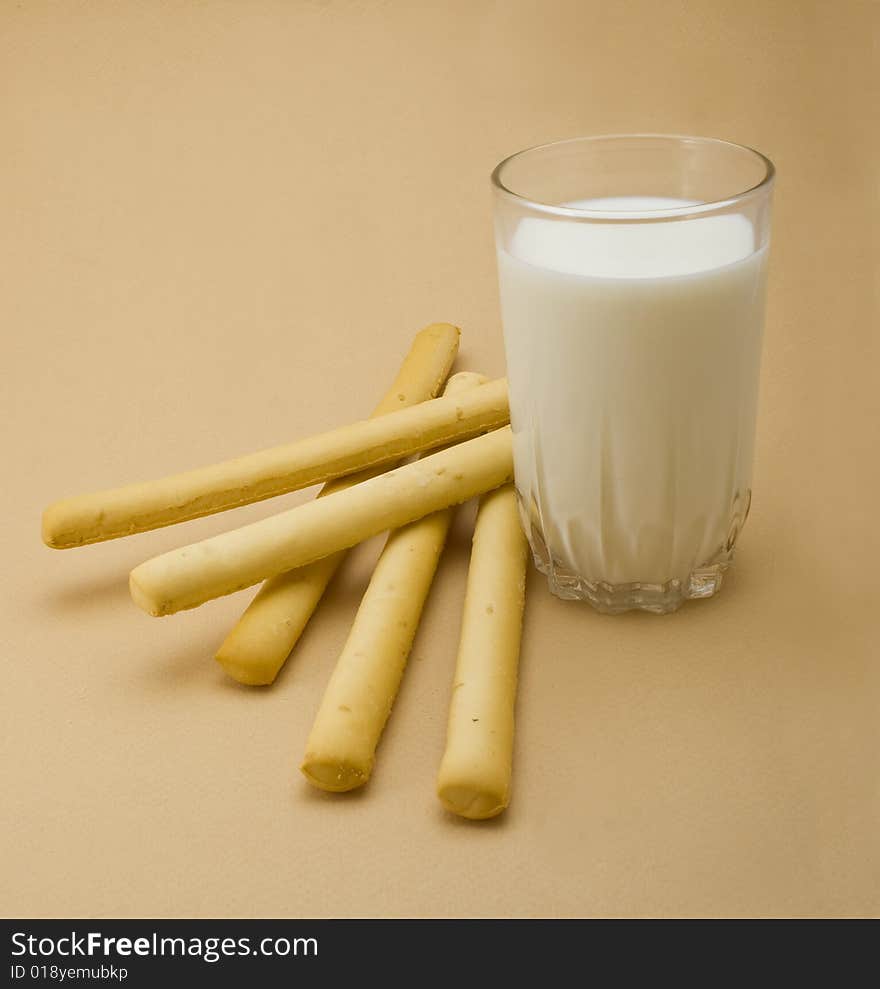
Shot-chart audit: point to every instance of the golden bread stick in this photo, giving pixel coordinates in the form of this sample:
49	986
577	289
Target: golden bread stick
474	777
369	443
258	646
358	699
187	577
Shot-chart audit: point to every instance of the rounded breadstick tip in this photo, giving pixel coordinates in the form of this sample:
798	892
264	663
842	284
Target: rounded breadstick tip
462	380
441	330
472	800
51	528
142	597
248	670
334	776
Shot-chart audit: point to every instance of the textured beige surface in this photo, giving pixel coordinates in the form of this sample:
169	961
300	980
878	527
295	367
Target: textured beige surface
215	219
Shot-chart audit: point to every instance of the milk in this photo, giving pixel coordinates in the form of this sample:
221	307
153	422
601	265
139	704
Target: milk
633	355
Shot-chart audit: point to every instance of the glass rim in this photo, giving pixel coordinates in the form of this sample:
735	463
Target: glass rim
631	215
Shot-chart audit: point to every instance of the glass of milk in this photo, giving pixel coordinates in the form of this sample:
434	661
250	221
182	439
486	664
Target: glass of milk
632	273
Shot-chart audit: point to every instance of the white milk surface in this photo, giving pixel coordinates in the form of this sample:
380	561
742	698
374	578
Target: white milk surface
633	354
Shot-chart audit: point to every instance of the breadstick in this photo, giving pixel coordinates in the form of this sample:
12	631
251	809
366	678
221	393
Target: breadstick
474	777
259	644
371	442
358	699
187	577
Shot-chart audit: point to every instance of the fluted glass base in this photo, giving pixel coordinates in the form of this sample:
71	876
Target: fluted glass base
612	599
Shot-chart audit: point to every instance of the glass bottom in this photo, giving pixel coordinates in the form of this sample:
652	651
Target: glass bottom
613	599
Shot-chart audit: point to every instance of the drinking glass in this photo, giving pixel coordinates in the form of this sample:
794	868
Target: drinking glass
632	275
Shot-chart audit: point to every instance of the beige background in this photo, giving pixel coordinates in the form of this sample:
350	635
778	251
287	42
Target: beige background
221	224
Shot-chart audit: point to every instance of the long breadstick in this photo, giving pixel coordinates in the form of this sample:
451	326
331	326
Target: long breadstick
474	777
139	507
358	699
187	577
259	644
